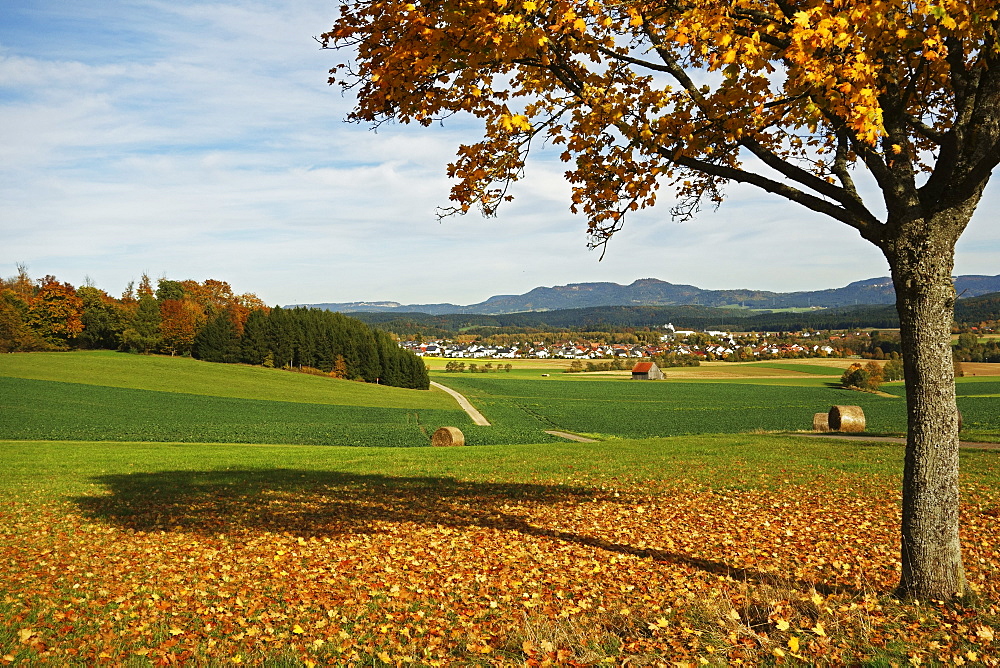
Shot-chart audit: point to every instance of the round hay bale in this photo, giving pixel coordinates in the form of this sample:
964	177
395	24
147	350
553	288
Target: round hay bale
448	436
821	422
846	418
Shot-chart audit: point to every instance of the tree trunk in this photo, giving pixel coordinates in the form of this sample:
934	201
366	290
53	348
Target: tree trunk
921	258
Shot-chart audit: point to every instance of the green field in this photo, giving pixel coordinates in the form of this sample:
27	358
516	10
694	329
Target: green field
642	409
124	545
107	396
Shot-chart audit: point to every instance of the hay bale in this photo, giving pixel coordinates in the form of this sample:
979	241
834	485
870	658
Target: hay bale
448	436
847	418
821	422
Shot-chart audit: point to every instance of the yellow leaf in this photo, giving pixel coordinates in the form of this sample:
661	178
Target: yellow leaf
818	629
793	644
297	629
384	657
176	631
984	632
816	598
782	624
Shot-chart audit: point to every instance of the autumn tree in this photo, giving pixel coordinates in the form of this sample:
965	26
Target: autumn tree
179	322
54	311
795	97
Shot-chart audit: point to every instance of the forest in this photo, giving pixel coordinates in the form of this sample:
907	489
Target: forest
205	320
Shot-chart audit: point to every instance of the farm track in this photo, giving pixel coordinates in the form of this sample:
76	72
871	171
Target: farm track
571	437
466	405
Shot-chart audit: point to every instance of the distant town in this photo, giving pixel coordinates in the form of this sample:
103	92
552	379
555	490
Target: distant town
678	345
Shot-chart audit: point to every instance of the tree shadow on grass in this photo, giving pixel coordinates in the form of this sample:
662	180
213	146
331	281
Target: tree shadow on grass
311	503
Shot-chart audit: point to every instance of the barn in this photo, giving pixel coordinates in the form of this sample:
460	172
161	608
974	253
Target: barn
646	371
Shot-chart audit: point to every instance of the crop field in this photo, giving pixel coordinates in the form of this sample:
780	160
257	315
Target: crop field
642	409
118	397
188	376
114	397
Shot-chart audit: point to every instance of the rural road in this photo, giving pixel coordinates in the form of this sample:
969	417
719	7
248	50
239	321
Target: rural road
476	416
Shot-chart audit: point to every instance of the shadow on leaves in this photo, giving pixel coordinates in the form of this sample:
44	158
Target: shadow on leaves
311	503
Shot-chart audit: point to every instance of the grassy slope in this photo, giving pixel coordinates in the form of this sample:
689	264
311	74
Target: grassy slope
117	397
189	376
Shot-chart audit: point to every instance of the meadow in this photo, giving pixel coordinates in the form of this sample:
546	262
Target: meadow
705	549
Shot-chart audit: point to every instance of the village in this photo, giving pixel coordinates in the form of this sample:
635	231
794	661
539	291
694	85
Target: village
684	345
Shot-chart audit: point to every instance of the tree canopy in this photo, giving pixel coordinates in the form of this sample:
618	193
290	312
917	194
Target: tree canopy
795	97
684	93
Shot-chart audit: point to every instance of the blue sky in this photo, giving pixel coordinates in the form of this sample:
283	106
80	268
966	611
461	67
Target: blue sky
201	140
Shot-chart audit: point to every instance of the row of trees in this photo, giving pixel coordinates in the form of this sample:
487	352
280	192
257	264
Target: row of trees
335	344
206	320
459	367
46	314
969	348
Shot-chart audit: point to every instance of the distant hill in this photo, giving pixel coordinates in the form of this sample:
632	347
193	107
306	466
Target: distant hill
969	311
654	292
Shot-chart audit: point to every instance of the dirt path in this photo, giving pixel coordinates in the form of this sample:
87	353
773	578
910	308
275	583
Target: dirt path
476	416
571	437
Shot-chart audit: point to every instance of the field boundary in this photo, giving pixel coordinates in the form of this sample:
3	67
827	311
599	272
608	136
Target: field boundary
898	440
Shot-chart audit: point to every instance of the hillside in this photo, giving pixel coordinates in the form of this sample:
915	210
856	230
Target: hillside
654	292
971	310
108	396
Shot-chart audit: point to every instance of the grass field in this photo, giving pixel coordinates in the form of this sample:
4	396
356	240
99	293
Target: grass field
106	396
714	549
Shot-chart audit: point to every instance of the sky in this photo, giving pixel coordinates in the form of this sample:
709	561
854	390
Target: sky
194	140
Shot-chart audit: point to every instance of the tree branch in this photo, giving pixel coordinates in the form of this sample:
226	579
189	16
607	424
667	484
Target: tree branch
869	227
849	200
631	60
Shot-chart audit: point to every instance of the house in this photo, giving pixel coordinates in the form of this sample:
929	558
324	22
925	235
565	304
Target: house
646	371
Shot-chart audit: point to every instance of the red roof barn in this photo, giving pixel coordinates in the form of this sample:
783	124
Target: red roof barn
646	371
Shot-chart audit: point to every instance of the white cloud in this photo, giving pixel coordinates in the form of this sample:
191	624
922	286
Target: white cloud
200	139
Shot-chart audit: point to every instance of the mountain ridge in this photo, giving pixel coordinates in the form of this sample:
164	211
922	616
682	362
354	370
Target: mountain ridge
655	292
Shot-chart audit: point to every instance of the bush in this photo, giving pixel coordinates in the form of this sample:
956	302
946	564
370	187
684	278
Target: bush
893	370
868	377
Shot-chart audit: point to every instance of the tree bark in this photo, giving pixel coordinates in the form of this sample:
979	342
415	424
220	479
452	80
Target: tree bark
921	258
